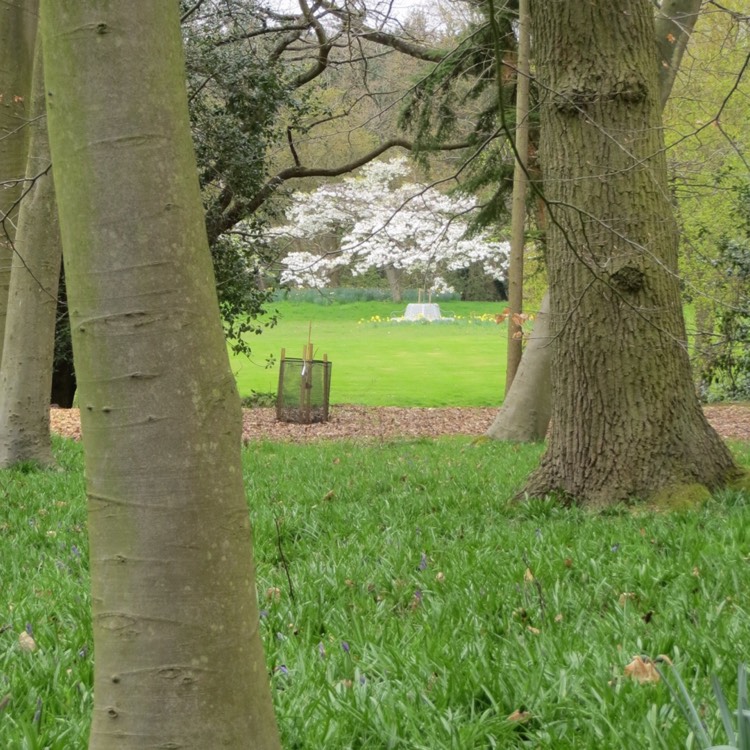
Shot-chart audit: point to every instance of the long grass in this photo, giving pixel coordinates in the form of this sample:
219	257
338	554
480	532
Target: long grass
380	363
408	603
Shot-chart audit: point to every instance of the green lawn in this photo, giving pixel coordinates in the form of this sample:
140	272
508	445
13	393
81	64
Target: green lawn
384	363
426	607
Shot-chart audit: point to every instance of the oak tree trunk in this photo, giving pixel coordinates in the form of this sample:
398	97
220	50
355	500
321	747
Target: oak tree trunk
18	23
178	655
674	24
29	344
626	420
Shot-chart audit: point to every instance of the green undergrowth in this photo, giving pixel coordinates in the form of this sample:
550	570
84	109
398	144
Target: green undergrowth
407	603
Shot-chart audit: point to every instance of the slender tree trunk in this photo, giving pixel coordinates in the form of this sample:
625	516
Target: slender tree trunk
179	661
394	282
626	419
18	23
28	351
675	21
518	213
525	413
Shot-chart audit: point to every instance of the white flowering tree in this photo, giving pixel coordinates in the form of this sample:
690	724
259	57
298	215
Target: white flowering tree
396	229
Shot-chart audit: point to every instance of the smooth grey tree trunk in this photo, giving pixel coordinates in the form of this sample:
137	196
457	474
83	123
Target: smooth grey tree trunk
178	655
18	24
29	343
525	413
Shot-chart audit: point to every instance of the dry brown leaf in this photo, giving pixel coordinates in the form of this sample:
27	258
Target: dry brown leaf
533	630
528	576
273	593
519	715
642	670
559	617
440	577
625	597
26	642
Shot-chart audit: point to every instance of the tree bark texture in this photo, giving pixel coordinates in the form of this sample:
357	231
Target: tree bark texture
29	342
525	413
674	24
18	24
178	656
626	421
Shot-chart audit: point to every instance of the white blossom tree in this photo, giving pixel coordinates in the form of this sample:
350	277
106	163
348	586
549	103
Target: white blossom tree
397	229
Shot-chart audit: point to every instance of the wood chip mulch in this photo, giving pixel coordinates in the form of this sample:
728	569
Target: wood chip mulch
731	421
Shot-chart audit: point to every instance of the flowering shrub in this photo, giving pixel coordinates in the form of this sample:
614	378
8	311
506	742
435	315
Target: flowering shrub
411	229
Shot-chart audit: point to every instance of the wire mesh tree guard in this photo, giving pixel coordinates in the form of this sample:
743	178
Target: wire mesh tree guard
304	388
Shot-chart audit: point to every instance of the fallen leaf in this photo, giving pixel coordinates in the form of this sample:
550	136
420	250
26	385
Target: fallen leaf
533	630
559	617
273	593
696	571
642	670
440	577
519	715
625	597
528	576
329	495
26	642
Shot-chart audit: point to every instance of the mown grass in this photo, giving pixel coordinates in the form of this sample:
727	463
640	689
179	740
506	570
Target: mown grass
426	606
379	363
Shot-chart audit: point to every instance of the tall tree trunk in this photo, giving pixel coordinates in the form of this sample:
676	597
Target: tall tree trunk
29	344
18	23
518	212
626	419
179	660
674	24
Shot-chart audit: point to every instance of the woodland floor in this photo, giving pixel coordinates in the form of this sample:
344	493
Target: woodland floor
731	421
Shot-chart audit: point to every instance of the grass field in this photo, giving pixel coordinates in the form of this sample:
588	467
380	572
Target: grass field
384	363
426	607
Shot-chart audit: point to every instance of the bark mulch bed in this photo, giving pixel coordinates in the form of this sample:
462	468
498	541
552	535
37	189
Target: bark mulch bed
731	421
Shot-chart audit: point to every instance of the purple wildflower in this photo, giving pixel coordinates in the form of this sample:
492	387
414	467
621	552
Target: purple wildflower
423	562
345	646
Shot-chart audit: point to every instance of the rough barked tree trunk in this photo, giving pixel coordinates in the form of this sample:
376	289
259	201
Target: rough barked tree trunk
525	413
626	418
18	23
29	343
675	21
178	656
